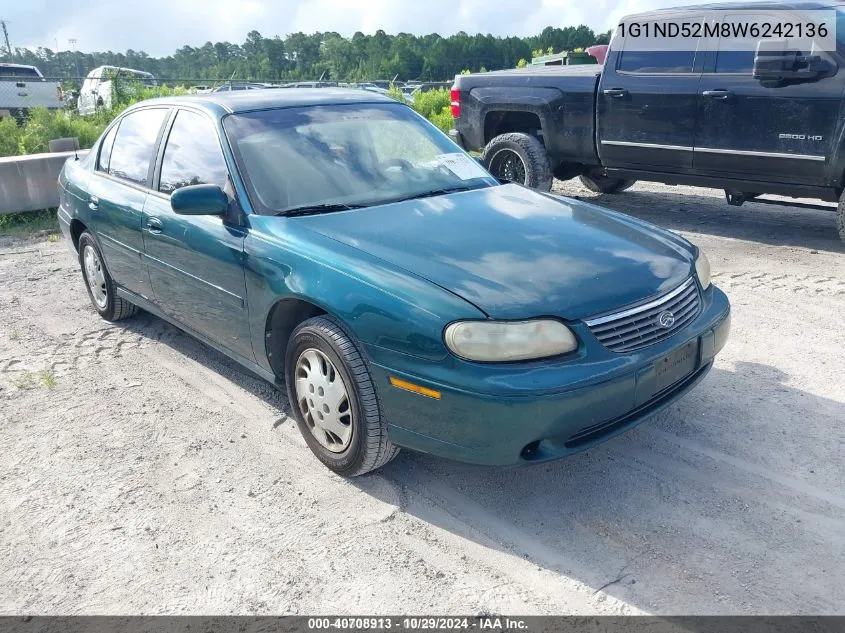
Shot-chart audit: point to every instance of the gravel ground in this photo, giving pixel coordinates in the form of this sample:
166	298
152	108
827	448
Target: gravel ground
142	472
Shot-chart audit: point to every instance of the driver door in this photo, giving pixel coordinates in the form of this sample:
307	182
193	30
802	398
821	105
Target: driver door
196	262
750	130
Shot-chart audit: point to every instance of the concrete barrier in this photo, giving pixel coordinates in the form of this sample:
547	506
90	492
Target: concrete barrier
29	183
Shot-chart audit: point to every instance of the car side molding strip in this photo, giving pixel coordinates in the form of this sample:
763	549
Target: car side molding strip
680	148
745	152
713	150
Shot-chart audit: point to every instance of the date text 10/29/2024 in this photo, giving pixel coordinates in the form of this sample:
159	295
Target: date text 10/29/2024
417	624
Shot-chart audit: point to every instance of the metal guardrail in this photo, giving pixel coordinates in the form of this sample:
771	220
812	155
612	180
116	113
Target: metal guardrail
30	183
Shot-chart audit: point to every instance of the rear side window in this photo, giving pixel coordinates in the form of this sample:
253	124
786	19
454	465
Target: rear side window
648	62
192	155
19	72
105	150
638	56
135	145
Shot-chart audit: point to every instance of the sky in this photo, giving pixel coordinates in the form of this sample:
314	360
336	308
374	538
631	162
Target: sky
159	27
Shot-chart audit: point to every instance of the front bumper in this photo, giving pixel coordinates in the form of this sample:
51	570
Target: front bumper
500	415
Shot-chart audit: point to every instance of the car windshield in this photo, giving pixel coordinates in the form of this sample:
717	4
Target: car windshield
327	158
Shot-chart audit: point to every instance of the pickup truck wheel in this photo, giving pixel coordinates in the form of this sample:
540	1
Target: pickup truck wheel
99	283
333	399
840	217
603	184
519	158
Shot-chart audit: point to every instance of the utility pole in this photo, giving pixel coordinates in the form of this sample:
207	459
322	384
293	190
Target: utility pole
6	35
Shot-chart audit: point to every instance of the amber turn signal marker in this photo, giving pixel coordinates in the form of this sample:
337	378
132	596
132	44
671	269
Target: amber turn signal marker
409	386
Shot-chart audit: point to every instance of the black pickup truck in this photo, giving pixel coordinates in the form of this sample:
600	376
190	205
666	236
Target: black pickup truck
768	120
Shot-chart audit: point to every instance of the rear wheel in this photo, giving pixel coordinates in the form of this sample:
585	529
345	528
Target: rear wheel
333	399
99	283
602	184
519	158
840	217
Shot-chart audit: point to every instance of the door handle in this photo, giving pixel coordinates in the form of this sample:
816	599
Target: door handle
717	94
615	92
93	203
154	225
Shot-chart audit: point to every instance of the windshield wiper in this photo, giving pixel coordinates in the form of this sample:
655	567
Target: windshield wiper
436	192
314	209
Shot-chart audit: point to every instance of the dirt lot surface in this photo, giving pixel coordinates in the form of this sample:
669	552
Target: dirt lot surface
142	472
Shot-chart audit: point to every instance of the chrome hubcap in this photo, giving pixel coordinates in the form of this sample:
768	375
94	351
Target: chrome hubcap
95	276
323	400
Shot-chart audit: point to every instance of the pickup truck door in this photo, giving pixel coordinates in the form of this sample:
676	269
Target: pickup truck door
750	130
646	103
195	262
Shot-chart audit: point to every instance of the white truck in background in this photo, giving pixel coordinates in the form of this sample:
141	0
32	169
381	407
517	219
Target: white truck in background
24	87
96	90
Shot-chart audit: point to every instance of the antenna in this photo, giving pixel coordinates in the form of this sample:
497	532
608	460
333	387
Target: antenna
6	35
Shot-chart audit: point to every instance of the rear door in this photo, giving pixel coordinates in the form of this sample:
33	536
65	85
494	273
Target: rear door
647	100
118	190
775	133
196	262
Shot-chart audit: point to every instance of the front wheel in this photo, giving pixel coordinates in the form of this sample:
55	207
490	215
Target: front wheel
99	283
519	158
602	184
333	399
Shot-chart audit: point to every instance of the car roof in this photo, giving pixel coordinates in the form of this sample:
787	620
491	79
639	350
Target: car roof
220	103
741	6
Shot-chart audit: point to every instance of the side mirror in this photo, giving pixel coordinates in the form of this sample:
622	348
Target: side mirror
199	200
774	62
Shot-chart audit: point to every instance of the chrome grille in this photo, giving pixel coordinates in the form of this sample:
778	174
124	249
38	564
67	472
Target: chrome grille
639	326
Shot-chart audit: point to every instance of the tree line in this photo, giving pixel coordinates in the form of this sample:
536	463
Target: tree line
301	56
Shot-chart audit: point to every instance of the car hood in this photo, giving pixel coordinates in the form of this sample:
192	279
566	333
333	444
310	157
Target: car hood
516	253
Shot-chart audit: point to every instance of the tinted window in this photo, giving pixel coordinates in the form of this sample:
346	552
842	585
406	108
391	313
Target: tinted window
19	72
105	150
656	61
192	155
734	62
732	56
135	144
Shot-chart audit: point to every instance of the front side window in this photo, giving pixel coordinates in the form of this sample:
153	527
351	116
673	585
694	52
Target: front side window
345	155
135	145
192	155
735	56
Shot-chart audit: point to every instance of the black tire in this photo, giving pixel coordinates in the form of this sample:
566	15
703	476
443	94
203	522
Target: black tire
115	308
602	184
369	447
840	217
532	170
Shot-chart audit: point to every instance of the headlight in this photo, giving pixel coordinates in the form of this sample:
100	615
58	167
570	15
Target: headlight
493	341
702	269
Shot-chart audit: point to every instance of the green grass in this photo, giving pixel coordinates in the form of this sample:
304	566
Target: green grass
30	380
48	378
26	224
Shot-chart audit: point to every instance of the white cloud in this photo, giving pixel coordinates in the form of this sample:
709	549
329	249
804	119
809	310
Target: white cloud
161	26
